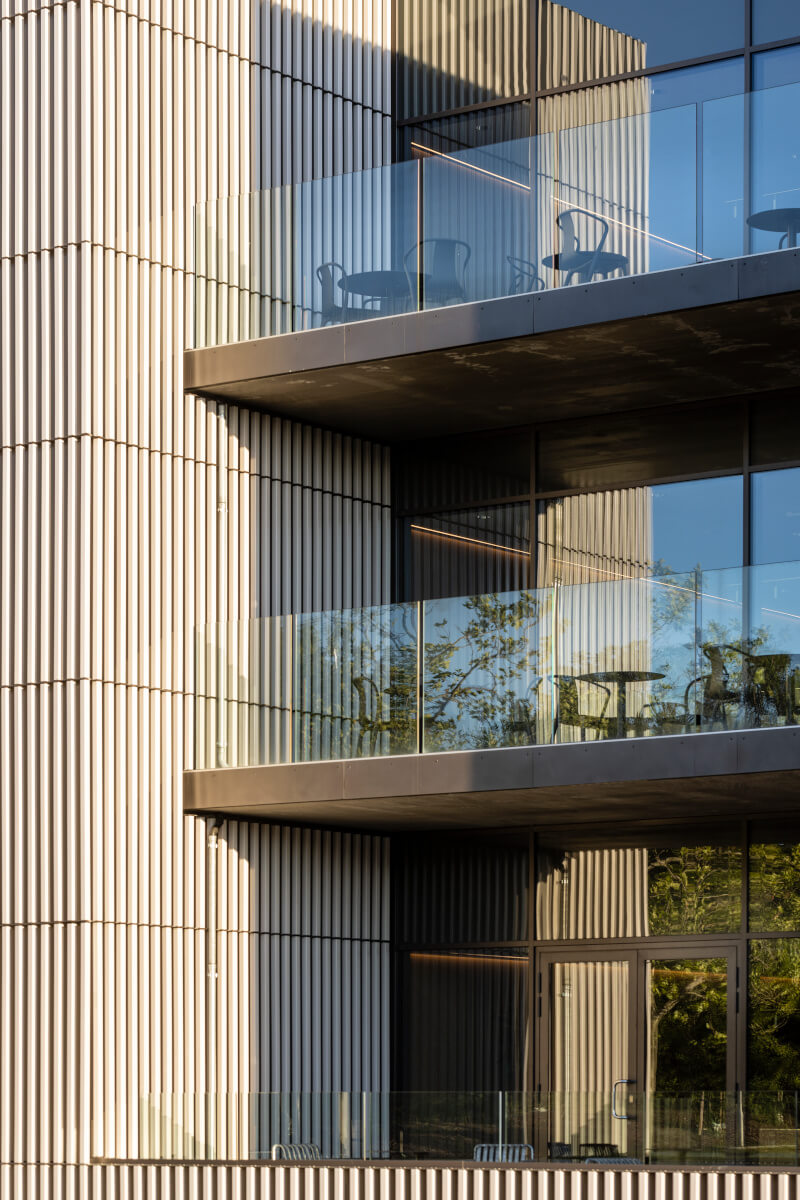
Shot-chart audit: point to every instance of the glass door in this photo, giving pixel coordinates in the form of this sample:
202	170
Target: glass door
587	1051
637	1054
689	1007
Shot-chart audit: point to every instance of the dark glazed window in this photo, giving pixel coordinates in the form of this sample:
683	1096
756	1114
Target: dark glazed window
462	890
774	1018
656	886
774	20
774	901
593	39
466	131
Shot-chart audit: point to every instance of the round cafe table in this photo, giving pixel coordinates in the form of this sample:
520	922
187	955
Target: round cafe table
778	220
621	680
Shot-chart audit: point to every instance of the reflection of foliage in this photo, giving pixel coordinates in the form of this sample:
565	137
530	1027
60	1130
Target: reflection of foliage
694	889
688	1025
355	682
481	663
775	886
774	1015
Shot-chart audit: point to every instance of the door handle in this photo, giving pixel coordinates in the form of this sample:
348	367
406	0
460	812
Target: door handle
614	1113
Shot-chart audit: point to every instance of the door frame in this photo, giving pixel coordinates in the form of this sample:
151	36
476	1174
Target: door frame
637	956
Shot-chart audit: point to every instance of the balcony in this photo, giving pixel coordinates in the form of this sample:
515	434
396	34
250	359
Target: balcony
506	693
364	284
704	1128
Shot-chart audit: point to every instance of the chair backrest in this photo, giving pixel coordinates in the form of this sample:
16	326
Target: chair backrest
325	275
598	1149
503	1152
295	1151
559	1150
444	260
568	708
612	1159
523	276
570	242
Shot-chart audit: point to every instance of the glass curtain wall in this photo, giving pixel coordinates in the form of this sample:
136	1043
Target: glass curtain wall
469	72
603	993
628	496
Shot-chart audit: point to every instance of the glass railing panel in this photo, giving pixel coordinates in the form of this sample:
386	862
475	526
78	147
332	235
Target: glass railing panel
244	266
721	141
352	238
486	221
483	666
624	657
693	1129
355	683
626	196
642	192
772	663
243	715
775	168
719	690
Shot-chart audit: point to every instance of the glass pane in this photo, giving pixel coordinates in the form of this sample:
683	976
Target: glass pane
444	473
462	888
774	20
465	131
687	1053
719	695
775	214
463	1020
776	516
483	666
483	211
774	901
593	39
659	530
693	85
775	430
773	68
653	885
772	660
687	1025
722	132
355	683
589	1040
467	553
458	53
774	1016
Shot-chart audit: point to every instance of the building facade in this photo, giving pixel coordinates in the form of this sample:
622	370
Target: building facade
398	689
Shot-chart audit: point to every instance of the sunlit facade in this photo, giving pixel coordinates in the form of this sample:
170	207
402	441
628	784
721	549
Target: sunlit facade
400	632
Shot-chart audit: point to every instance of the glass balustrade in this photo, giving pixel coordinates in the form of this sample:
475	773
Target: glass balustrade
596	1129
691	653
644	192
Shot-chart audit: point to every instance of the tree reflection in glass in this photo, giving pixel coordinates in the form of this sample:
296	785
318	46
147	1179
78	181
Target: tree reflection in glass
694	889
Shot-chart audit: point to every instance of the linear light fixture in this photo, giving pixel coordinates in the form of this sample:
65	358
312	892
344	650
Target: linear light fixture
460	537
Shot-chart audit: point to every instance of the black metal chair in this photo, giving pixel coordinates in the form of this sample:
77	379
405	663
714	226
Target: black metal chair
503	1152
332	312
568	710
442	263
573	259
524	277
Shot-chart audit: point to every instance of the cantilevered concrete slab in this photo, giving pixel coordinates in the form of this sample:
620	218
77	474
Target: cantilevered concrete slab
709	330
710	774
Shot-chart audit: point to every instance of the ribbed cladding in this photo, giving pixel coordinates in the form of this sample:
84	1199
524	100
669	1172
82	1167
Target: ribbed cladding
572	48
464	1182
461	53
112	126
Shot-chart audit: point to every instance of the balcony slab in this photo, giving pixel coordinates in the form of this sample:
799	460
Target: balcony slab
709	330
710	774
